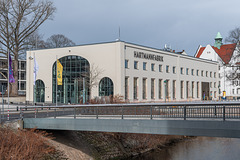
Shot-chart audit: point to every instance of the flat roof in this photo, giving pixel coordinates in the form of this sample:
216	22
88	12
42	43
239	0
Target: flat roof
99	43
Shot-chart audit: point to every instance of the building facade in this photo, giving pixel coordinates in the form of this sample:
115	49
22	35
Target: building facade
228	57
138	73
21	75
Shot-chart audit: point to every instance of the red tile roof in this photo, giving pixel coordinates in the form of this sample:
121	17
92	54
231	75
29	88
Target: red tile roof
200	52
225	52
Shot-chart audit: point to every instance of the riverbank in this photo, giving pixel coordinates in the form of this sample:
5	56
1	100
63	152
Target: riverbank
78	145
100	145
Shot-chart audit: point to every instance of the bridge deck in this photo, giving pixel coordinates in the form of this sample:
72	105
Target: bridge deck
210	128
213	119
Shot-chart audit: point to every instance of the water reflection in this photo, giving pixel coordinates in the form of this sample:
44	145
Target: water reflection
201	148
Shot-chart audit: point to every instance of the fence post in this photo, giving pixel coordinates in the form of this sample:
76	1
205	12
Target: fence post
97	113
151	112
224	113
55	113
215	110
122	112
74	112
185	112
35	113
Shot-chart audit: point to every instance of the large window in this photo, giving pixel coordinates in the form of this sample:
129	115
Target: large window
182	83
144	89
126	87
75	78
174	89
197	89
167	89
105	87
192	89
152	88
39	91
135	88
160	88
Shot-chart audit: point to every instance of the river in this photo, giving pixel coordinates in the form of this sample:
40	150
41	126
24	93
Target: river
200	148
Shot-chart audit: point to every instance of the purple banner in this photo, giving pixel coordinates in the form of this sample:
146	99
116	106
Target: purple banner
11	78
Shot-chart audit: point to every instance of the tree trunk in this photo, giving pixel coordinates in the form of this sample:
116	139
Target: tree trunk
15	74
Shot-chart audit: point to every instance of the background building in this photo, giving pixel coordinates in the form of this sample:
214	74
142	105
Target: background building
228	57
139	73
21	75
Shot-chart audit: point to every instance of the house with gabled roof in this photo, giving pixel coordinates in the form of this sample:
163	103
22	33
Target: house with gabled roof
228	57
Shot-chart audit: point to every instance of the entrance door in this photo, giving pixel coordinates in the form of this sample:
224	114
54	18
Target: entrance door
205	91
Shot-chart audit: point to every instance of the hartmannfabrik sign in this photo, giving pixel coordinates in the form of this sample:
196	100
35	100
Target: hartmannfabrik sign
148	56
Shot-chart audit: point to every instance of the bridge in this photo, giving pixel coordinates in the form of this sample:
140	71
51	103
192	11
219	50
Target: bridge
211	119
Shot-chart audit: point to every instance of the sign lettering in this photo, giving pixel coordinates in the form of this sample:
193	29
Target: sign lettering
148	56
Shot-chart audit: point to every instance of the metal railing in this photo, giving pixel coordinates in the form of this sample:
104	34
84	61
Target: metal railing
181	111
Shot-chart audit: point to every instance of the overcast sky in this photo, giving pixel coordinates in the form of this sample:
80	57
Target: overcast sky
183	24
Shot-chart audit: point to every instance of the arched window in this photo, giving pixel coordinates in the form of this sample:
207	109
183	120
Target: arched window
39	91
75	73
105	87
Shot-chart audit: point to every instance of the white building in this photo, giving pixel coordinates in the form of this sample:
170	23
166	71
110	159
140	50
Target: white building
229	59
139	73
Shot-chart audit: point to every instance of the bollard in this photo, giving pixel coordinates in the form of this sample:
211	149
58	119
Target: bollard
17	108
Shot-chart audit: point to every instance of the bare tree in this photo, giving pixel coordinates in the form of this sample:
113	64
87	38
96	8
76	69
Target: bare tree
92	77
18	20
234	36
59	40
35	41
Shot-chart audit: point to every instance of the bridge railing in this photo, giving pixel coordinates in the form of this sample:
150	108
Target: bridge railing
194	110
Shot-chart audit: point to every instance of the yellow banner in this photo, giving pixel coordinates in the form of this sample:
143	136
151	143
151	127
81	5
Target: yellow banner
224	94
59	73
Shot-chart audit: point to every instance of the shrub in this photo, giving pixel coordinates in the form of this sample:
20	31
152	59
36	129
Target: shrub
24	144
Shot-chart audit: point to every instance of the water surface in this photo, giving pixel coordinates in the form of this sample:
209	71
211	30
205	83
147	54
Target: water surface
200	148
